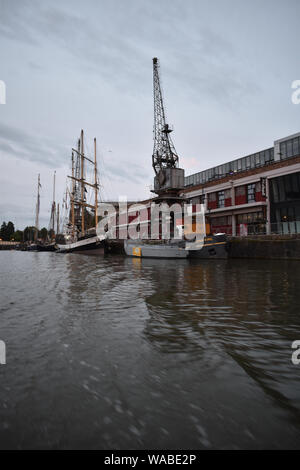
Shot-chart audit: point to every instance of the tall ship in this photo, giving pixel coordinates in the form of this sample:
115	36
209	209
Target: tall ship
79	235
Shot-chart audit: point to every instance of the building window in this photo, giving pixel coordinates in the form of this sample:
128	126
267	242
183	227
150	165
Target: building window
251	192
221	224
296	146
282	150
227	168
221	199
289	148
267	156
240	191
250	218
195	200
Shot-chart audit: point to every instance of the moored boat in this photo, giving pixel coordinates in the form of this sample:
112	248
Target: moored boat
46	247
214	247
88	245
77	237
155	249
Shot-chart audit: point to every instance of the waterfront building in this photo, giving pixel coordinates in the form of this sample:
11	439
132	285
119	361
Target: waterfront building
254	194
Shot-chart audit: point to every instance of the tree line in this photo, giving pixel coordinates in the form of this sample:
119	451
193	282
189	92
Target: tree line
8	233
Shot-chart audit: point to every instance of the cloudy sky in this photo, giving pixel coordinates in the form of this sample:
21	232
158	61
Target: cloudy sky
227	67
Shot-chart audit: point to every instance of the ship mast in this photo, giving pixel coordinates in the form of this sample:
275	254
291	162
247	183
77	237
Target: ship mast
96	184
78	186
73	198
53	208
37	209
82	184
57	220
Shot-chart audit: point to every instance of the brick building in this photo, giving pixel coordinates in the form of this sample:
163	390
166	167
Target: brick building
258	193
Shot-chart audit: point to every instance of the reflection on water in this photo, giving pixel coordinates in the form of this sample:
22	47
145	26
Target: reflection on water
120	353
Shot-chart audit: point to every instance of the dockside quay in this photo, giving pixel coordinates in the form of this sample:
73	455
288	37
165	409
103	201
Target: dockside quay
255	194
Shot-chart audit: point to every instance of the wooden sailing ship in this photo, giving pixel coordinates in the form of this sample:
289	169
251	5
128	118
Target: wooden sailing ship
77	236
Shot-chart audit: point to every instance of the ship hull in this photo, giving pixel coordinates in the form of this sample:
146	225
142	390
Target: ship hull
213	251
91	246
51	247
215	247
145	250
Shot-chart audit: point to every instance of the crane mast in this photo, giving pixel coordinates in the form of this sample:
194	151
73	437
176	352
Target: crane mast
164	153
168	179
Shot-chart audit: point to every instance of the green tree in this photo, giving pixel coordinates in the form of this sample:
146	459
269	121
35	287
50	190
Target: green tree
44	233
10	230
3	231
18	236
29	233
7	231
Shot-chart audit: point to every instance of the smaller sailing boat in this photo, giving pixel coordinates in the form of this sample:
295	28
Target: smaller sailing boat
77	237
34	246
49	245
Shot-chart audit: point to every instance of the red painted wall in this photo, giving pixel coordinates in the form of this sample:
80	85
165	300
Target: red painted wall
212	204
259	197
240	198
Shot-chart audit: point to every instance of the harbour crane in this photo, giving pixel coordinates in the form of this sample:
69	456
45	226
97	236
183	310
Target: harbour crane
168	177
164	153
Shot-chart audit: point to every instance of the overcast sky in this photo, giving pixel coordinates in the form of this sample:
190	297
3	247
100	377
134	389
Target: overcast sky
226	65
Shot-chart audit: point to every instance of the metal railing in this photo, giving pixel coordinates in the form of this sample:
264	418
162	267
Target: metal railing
278	228
286	228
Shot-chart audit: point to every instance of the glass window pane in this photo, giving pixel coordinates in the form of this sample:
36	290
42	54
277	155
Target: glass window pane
221	199
251	192
281	189
283	150
289	148
295	146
